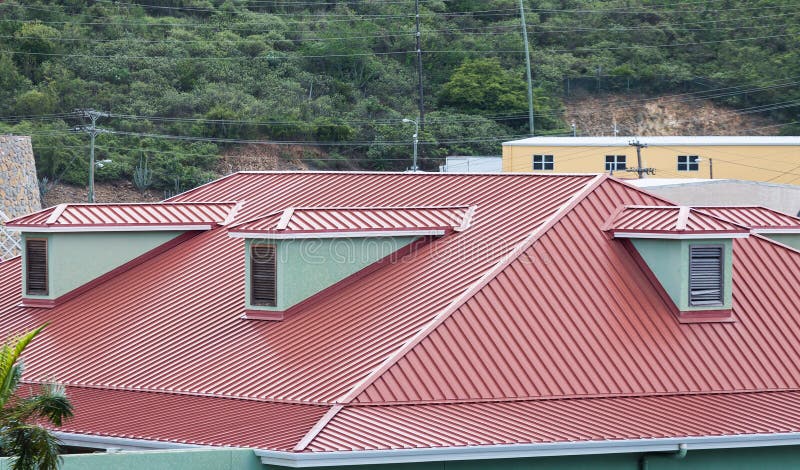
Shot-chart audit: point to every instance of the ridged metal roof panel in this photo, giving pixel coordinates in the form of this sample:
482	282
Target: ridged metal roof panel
668	219
575	316
124	214
550	421
174	323
753	216
354	219
189	419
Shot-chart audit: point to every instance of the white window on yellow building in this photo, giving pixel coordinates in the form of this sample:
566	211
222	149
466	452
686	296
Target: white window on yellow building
616	162
542	162
688	163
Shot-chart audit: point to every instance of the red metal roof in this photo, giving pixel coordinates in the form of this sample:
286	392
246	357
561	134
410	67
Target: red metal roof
668	219
359	219
549	421
189	419
754	217
533	302
559	323
125	214
173	323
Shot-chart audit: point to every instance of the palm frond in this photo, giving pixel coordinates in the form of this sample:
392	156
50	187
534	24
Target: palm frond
9	355
31	447
51	404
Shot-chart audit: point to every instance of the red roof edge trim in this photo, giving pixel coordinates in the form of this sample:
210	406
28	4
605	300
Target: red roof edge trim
448	310
700	316
50	303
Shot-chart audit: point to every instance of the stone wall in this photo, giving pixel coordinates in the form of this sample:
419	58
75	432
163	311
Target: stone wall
19	187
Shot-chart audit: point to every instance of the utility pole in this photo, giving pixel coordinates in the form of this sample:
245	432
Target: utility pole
711	168
414	166
93	132
528	64
419	69
641	171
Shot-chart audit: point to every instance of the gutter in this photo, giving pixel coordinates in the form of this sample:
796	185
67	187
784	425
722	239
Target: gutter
677	446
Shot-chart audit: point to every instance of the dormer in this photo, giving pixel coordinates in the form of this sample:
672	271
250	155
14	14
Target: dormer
777	226
70	248
687	252
298	254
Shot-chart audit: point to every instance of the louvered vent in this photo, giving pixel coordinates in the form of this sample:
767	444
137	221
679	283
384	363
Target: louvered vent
705	275
36	266
263	279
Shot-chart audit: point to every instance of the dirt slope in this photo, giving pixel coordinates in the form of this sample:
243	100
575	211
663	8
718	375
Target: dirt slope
669	115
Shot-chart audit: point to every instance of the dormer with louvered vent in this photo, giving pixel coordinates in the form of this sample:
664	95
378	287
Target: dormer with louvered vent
73	247
295	255
687	253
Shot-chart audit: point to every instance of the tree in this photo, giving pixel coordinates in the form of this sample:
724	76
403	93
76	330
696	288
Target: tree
484	86
30	445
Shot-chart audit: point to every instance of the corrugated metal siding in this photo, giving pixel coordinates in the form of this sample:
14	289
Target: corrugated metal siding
132	214
173	323
547	421
575	316
189	419
754	217
324	219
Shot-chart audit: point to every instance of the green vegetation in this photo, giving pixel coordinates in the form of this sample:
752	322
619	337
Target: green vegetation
21	436
342	74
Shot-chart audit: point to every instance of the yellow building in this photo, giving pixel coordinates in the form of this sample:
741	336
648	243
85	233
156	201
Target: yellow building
757	158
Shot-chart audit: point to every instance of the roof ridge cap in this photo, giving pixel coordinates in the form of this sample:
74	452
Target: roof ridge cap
470	291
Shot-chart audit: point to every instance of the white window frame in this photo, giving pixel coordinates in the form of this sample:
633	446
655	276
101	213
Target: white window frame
617	160
690	163
546	160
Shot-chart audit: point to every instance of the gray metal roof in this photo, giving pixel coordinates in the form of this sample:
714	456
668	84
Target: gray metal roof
655	141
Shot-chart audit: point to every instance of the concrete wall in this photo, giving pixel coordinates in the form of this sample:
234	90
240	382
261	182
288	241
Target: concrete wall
19	187
776	164
779	197
73	259
761	458
307	266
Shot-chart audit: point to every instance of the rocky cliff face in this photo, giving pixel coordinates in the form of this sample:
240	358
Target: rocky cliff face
19	187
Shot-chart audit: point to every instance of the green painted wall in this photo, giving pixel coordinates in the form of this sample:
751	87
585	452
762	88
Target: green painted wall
213	459
77	258
669	261
788	239
307	266
761	458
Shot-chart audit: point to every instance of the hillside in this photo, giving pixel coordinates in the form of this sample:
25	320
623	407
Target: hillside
592	115
194	88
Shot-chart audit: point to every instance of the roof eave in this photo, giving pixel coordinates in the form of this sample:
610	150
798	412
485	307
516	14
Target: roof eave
335	234
508	451
678	235
108	228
